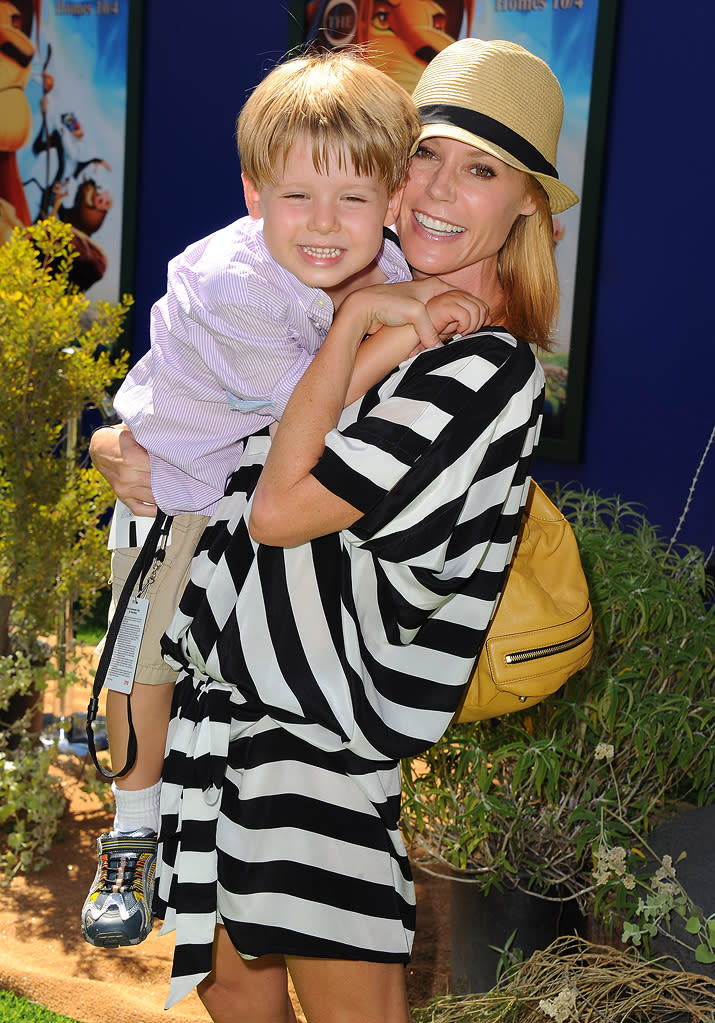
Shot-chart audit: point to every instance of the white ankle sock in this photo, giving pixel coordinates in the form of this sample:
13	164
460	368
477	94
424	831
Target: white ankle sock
136	808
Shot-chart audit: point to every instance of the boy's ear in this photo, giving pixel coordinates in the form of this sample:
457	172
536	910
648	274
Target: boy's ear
393	207
252	197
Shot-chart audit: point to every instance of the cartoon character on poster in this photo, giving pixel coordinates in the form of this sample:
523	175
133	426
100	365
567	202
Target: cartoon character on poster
68	157
401	35
17	49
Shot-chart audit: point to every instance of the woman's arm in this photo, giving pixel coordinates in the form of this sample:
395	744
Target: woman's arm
449	311
289	505
125	465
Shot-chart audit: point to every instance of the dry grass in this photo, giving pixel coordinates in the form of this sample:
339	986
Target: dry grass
573	980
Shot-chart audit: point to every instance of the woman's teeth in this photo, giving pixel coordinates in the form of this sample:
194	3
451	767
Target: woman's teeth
438	226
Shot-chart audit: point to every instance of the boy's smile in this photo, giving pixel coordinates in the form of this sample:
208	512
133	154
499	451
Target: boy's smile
323	227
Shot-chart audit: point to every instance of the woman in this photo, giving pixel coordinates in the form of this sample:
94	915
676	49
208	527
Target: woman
341	594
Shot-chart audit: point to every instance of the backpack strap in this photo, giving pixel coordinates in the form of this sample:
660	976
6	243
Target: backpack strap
152	553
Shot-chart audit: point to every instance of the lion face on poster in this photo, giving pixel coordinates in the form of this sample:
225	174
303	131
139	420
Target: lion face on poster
406	34
401	36
16	53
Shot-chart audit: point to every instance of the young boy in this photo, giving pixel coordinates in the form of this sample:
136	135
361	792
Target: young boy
324	143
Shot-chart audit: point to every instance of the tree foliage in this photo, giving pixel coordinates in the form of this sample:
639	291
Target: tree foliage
56	359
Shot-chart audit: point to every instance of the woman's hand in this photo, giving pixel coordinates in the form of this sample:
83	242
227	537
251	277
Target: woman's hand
395	305
125	465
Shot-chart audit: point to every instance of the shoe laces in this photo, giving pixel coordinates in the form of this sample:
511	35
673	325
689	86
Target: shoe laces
122	871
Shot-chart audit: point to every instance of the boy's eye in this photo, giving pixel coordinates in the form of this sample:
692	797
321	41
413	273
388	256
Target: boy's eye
355	198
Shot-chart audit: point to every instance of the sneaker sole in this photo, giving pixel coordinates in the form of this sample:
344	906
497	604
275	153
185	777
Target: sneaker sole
115	940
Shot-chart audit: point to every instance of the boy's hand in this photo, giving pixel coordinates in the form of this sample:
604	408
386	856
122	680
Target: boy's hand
456	312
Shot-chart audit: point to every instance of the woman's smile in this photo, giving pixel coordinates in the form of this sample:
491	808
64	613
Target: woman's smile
435	226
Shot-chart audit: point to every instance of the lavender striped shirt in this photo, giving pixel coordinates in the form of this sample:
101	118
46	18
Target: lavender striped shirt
229	342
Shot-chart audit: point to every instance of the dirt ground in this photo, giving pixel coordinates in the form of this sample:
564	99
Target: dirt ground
44	958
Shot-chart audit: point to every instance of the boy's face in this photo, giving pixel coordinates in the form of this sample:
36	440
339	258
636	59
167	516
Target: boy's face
324	228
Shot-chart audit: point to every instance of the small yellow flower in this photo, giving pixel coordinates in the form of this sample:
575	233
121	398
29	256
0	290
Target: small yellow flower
610	863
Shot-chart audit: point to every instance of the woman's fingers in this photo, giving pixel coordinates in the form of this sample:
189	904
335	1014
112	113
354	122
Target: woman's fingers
125	465
389	306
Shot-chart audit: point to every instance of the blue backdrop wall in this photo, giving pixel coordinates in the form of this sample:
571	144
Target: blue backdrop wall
650	398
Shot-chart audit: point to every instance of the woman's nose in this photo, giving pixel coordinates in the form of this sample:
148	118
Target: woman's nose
441	184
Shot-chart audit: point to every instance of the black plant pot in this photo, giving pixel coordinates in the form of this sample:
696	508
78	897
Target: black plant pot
481	925
691	832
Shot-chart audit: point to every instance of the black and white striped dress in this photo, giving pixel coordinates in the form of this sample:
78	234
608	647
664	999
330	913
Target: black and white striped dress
308	672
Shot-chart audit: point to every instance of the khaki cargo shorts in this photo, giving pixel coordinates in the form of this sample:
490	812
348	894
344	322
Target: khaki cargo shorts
163	594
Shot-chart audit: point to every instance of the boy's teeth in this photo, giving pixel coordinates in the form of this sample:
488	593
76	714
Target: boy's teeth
437	225
321	253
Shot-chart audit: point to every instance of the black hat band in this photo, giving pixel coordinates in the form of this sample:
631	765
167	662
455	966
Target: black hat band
492	131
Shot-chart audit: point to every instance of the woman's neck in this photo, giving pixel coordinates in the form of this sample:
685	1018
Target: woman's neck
482	281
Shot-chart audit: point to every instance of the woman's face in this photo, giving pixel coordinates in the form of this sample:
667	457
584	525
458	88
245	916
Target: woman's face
457	210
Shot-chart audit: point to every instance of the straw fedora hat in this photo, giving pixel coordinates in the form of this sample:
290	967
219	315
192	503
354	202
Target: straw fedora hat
502	99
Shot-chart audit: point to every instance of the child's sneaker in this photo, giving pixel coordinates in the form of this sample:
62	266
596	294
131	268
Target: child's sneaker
117	910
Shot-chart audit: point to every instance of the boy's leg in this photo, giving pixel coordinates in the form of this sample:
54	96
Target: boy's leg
117	910
137	793
245	990
341	991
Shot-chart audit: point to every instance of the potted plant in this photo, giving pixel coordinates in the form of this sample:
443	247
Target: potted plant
56	359
539	800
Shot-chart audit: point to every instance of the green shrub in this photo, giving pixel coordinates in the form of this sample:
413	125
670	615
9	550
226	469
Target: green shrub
528	799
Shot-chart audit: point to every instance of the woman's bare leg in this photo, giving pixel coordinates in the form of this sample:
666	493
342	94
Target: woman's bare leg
339	991
245	990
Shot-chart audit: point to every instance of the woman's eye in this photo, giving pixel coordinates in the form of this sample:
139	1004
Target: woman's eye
423	153
481	170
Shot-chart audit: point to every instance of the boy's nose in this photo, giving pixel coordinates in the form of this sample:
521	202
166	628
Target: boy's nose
324	218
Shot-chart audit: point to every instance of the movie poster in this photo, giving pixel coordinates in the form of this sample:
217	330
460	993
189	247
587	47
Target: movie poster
64	137
403	35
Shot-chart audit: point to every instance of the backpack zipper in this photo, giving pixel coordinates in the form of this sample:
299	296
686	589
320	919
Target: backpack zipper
546	651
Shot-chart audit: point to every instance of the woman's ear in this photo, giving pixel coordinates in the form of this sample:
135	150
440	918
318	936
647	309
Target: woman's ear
252	197
530	205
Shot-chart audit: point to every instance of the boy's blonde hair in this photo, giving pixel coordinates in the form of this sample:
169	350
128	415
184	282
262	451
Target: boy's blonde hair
346	107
